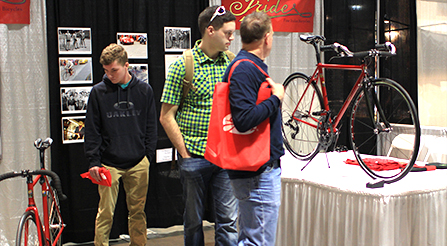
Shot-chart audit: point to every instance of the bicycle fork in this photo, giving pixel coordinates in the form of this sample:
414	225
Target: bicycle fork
375	110
33	208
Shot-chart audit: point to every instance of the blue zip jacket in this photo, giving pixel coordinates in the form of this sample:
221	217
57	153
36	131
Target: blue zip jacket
245	82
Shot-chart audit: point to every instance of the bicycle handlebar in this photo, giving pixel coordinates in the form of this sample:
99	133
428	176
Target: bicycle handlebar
385	50
25	173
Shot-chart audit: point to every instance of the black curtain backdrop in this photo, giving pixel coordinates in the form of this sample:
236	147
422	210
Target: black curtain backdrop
105	18
352	23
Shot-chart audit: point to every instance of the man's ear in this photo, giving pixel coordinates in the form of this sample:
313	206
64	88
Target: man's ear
209	30
266	38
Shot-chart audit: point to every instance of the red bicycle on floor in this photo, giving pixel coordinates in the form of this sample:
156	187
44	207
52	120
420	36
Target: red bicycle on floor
31	230
383	120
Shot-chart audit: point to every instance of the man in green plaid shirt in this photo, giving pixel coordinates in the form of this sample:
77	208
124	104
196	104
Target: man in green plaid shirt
187	128
193	117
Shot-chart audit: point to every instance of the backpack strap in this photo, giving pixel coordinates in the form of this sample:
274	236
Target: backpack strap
189	73
230	55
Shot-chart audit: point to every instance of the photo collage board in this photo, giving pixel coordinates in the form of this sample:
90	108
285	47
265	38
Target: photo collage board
76	74
76	69
76	80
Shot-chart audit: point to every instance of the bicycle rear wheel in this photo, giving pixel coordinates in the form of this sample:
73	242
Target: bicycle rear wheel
385	130
27	234
55	219
301	101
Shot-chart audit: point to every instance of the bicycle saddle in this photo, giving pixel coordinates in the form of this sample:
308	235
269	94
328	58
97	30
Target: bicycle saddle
312	38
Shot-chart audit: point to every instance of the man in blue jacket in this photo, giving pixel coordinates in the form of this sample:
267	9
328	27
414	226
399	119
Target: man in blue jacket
258	192
121	135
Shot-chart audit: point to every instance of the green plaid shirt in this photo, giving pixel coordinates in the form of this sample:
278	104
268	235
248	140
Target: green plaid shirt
194	116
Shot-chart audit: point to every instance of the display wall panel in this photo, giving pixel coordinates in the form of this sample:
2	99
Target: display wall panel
104	19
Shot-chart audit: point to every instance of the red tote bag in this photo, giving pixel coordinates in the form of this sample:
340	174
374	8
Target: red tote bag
228	148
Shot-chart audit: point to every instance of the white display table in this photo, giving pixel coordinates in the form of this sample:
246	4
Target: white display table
332	206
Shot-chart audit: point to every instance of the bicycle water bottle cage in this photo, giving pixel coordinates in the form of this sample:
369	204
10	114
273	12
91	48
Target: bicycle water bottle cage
320	113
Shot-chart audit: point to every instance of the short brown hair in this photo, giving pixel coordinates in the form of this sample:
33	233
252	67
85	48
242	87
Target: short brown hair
217	23
113	52
255	26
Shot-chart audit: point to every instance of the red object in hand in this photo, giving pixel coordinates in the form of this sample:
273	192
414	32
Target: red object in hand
105	175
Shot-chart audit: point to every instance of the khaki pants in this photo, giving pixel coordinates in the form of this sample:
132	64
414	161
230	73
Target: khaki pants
135	181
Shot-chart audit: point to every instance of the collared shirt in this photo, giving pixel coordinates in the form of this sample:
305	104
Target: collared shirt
194	116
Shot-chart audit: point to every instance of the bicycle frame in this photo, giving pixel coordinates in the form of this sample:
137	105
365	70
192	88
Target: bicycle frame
318	78
46	191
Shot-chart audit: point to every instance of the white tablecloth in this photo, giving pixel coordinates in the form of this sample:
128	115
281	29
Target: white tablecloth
332	206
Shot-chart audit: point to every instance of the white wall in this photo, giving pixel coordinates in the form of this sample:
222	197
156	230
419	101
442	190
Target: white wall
432	62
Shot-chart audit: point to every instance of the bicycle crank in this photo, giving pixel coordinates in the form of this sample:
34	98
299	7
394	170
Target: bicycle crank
326	133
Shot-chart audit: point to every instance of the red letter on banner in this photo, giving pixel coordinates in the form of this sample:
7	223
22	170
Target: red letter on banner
286	15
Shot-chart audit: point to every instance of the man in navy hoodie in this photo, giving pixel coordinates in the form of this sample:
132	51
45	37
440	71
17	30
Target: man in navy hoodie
120	135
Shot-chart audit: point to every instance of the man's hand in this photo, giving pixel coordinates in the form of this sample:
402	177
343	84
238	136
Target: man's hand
94	173
277	89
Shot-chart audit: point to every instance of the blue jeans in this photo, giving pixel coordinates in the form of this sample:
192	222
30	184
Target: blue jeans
198	176
259	201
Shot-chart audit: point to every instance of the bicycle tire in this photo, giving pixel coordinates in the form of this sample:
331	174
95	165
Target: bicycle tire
27	234
399	143
300	130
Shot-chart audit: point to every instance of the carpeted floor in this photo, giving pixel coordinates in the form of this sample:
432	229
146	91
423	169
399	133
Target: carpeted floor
172	236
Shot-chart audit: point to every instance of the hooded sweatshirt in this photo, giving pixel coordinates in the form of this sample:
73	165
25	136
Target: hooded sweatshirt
120	125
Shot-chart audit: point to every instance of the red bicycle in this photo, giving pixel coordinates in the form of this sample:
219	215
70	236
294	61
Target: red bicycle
383	120
31	230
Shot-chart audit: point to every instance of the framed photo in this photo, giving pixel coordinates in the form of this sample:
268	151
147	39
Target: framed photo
73	129
169	59
75	70
74	40
134	43
140	71
177	39
74	99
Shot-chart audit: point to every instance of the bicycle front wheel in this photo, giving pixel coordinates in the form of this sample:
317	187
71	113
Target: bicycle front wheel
301	111
66	75
385	130
27	234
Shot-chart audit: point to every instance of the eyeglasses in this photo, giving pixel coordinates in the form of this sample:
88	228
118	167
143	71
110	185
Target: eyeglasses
219	11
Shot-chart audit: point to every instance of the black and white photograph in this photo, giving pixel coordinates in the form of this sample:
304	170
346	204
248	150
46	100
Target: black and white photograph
73	129
134	43
74	40
75	70
140	71
74	99
177	39
169	59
